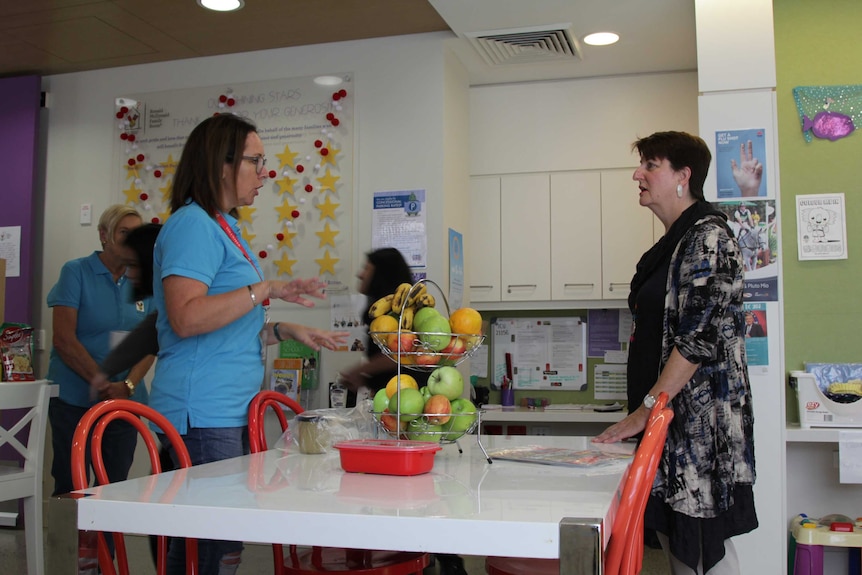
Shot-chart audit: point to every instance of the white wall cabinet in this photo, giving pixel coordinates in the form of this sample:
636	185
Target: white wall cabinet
627	232
525	237
576	231
483	250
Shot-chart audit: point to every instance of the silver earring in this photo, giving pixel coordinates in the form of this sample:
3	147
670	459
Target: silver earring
679	190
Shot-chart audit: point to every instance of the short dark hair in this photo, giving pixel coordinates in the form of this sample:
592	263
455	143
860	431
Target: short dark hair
215	141
390	271
682	150
141	240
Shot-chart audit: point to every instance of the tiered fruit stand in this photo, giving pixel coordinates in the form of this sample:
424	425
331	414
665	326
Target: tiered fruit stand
407	359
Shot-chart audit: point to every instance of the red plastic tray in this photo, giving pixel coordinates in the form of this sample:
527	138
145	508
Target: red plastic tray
387	456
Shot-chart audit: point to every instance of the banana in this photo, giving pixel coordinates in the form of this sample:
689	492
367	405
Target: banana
399	298
381	307
426	300
417	292
407	317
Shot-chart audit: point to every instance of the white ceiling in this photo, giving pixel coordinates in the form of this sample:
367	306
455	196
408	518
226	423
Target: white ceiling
58	36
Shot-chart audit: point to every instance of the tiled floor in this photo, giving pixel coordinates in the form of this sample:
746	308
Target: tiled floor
257	559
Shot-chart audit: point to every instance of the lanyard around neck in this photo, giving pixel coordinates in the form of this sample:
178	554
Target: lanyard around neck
232	236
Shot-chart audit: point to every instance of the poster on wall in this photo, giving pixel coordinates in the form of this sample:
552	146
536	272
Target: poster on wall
456	270
756	227
821	226
740	157
300	223
399	221
756	333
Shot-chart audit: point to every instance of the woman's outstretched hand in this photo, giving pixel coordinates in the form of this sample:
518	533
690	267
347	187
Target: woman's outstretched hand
295	291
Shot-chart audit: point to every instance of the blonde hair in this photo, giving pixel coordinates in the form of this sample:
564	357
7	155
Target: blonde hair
112	216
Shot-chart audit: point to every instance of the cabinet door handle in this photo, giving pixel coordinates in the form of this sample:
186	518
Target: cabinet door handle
481	287
612	284
578	285
521	286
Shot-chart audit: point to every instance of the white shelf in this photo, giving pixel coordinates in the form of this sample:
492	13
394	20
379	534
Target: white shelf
796	434
527	415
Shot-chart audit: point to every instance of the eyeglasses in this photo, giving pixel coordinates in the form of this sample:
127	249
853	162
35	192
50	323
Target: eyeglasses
258	161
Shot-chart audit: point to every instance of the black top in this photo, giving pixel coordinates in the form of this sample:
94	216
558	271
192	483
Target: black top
646	339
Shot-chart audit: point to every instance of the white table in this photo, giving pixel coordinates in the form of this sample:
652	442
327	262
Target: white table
464	505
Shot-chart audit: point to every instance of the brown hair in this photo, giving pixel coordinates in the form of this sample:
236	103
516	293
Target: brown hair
214	142
682	150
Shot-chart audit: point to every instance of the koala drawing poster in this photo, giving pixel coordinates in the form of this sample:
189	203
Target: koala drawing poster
821	227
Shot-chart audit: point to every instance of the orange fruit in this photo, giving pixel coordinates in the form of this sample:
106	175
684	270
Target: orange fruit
407	382
384	323
466	321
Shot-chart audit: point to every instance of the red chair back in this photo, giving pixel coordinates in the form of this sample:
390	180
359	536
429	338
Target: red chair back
94	422
256	411
625	549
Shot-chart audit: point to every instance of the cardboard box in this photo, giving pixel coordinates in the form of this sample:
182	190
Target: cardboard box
2	290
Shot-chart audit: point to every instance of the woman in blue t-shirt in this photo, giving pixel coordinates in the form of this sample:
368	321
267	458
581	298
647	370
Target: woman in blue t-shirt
211	297
92	304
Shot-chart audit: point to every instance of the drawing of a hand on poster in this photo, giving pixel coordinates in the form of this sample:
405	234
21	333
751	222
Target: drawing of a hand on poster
740	157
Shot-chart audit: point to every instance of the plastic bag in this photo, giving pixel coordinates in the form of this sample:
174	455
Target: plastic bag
317	430
16	352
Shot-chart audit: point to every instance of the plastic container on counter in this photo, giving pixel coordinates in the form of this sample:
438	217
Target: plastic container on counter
387	456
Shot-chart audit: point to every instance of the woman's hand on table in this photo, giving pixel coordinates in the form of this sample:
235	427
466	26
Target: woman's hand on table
295	291
633	424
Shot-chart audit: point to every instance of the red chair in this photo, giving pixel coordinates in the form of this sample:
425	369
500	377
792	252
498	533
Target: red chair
625	549
323	559
95	421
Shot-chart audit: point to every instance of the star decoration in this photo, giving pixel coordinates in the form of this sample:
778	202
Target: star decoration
329	158
166	192
327	236
169	166
286	157
327	263
163	216
248	236
132	194
245	214
286	184
288	238
327	209
285	265
131	172
285	211
327	181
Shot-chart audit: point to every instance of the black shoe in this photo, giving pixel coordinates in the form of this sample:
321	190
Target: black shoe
450	565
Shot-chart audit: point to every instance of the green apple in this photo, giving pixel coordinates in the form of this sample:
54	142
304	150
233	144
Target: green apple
412	403
421	430
381	401
463	416
423	314
435	332
426	393
446	381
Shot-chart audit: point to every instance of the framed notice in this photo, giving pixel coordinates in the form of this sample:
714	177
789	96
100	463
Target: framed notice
547	353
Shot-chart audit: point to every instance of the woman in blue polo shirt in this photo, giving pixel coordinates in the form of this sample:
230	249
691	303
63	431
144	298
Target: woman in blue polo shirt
91	304
211	299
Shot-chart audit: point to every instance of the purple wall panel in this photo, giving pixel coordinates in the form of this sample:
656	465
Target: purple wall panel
19	125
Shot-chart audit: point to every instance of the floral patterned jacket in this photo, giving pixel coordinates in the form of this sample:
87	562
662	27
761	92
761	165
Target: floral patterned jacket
710	444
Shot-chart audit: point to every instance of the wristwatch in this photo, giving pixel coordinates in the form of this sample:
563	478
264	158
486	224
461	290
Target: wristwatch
649	401
131	385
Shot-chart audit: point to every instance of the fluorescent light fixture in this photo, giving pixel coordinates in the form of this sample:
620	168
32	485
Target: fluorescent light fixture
328	81
222	5
601	39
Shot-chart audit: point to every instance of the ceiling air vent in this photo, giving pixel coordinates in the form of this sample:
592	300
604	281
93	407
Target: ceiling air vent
526	45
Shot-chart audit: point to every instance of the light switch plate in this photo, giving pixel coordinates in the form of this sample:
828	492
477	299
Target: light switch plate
86	214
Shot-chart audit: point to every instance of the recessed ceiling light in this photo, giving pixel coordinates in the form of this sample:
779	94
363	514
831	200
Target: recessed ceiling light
222	5
601	38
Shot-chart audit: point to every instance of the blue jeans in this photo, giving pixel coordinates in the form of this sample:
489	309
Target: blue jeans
206	445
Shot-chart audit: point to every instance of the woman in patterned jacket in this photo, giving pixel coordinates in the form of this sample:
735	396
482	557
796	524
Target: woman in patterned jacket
687	340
